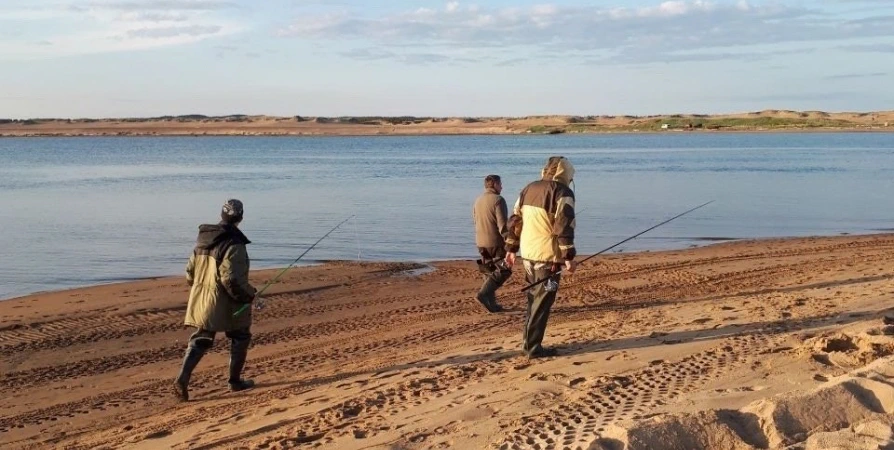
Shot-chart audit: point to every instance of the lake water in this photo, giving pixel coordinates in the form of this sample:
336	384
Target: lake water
82	211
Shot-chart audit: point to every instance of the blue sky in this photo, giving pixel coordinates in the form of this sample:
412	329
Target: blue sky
113	58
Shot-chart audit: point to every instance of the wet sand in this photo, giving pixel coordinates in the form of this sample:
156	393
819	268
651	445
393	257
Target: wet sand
755	344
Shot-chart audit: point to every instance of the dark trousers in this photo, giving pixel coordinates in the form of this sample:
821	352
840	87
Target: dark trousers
202	340
491	255
540	300
494	270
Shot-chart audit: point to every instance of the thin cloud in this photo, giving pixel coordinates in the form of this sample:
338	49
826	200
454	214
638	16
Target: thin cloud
675	57
166	32
667	31
153	16
368	54
870	48
847	76
512	62
111	26
416	58
154	5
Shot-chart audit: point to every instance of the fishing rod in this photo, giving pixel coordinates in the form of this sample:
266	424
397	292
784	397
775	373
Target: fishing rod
619	243
258	304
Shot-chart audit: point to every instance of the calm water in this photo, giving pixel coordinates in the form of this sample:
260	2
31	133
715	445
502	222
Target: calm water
83	211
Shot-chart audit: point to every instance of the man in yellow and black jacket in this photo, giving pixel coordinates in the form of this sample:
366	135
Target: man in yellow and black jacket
542	227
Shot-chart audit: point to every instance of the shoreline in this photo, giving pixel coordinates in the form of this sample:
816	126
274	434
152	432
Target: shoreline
707	241
431	263
654	347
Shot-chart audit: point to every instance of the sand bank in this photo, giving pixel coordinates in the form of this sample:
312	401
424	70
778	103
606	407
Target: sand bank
752	344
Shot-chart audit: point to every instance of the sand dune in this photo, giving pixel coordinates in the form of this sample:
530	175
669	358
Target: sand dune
239	125
754	344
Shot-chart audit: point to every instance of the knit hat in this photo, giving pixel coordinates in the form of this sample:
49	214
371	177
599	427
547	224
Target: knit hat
231	212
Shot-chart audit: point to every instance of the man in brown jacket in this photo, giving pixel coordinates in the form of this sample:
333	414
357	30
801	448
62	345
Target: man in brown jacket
542	226
217	272
490	216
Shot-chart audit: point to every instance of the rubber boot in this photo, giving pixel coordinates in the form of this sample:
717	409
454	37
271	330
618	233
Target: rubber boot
190	361
238	355
487	295
499	277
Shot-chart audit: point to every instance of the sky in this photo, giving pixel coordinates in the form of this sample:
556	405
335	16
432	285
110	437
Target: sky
141	58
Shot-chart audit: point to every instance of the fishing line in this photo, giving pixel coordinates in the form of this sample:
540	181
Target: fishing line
257	302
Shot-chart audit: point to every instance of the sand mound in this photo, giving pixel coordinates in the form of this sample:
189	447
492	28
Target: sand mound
849	351
850	412
721	429
870	435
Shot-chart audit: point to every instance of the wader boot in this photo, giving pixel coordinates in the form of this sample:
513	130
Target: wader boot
194	354
239	342
540	301
487	295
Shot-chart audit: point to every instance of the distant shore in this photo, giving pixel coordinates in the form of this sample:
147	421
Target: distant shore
244	125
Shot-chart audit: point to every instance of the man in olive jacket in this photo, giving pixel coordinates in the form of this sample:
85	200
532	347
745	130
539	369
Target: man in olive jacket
490	215
217	272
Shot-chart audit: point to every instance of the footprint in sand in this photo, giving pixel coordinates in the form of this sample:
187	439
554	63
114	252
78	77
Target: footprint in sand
158	434
385	375
742	389
615	355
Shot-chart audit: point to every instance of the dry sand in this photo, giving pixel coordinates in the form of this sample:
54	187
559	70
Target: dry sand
753	344
768	120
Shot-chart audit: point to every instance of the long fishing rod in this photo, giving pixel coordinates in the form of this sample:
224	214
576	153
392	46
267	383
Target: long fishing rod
619	243
281	272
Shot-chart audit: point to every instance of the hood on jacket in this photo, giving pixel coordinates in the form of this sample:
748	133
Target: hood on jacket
559	169
211	236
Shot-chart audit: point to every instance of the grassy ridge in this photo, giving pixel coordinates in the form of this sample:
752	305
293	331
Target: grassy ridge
695	123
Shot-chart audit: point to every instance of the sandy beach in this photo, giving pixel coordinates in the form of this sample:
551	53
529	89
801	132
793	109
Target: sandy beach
774	343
